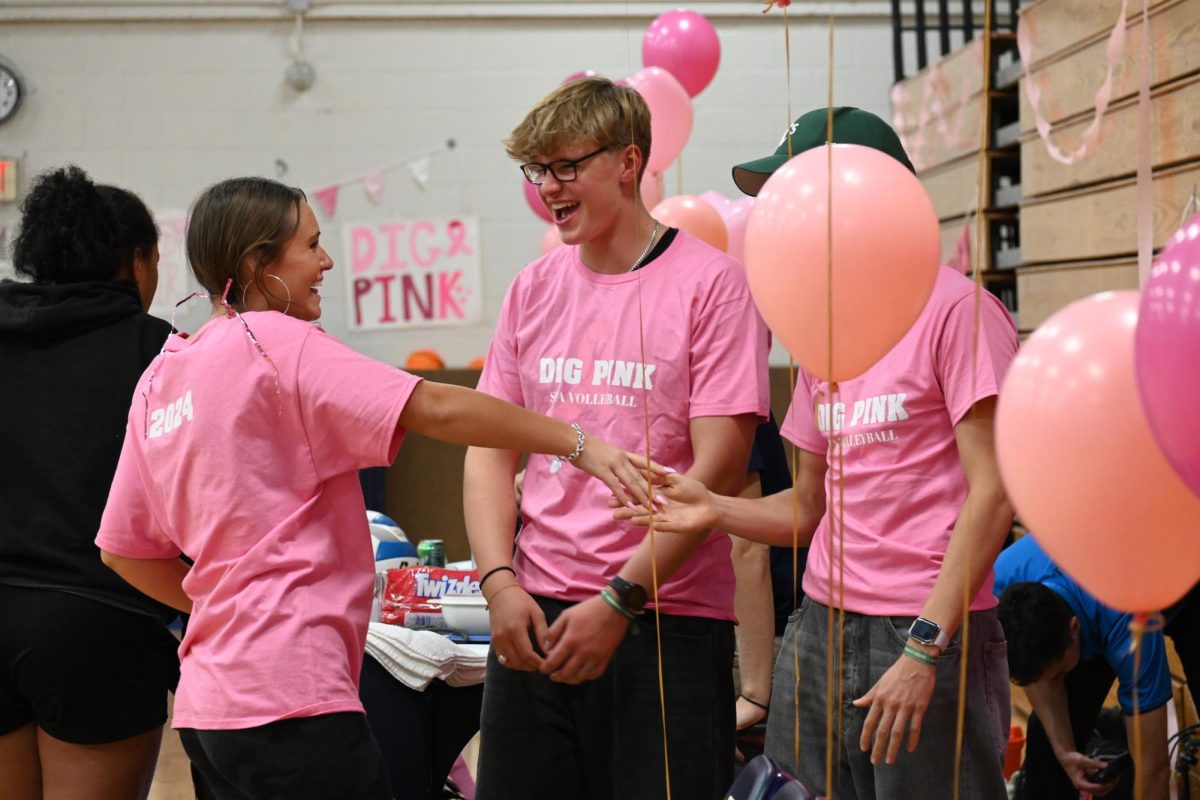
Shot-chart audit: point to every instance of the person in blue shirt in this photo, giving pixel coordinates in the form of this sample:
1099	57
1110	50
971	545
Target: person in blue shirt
1066	648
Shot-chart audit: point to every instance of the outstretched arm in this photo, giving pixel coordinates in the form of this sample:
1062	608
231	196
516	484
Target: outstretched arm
464	416
782	519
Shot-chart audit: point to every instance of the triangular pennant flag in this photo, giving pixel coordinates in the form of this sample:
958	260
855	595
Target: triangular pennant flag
420	170
373	184
327	197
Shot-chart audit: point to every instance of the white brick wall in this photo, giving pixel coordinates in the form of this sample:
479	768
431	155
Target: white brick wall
167	107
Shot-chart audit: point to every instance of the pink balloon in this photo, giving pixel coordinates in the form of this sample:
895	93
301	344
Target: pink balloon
736	214
583	73
670	115
885	257
1168	352
693	215
535	201
550	239
715	199
652	189
685	44
1081	466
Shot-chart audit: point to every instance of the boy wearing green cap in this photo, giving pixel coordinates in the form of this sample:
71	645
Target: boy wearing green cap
917	513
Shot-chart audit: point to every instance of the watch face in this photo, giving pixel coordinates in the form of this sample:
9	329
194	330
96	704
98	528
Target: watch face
632	595
924	631
10	93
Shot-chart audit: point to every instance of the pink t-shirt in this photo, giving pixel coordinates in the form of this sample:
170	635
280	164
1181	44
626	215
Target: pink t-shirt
249	466
567	345
904	482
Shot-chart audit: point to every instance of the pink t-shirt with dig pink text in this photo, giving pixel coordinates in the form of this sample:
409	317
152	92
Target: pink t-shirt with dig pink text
567	345
904	482
248	464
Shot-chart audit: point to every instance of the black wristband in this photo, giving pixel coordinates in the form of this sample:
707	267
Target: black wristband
492	572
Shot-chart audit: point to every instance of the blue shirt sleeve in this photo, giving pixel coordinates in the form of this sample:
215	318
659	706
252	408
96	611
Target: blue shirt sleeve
1153	676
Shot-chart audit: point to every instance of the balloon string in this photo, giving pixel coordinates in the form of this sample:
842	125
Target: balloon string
976	328
662	693
1137	626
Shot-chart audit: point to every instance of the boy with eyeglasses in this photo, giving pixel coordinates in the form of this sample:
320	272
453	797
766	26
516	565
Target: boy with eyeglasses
631	330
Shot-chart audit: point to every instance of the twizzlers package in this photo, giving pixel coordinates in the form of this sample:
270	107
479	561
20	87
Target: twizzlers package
408	592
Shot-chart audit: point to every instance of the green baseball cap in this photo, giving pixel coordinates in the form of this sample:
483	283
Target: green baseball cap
850	126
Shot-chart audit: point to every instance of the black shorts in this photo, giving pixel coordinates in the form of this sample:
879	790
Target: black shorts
327	757
84	671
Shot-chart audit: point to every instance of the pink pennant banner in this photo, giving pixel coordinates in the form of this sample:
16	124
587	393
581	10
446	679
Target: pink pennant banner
1033	91
327	198
373	185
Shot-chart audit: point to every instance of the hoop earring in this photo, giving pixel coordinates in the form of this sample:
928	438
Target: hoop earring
286	289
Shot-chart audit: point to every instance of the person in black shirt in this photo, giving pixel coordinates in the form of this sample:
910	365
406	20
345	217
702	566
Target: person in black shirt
86	661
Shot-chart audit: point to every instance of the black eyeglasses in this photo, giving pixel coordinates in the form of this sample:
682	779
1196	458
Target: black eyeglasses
563	171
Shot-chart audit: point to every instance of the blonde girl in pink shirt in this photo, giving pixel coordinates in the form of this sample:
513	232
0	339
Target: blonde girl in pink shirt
241	452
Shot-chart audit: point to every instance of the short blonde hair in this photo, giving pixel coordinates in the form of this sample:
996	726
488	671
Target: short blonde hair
588	109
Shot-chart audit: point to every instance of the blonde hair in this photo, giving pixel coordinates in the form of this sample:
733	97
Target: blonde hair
588	109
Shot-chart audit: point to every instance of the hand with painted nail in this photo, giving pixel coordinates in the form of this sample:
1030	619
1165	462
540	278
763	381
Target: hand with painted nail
683	505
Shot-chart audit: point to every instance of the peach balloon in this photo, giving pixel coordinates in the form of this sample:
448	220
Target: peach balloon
550	239
670	114
885	257
652	188
1081	466
694	216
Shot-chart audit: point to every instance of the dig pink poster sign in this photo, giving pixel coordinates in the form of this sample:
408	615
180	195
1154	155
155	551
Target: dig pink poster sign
412	273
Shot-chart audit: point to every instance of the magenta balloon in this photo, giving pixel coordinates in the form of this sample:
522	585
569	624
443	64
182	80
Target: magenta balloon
535	201
670	115
685	44
1167	346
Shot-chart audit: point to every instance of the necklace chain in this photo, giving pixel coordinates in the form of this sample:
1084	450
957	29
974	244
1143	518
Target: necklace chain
649	246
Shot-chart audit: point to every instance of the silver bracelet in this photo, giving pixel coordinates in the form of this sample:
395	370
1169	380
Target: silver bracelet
557	462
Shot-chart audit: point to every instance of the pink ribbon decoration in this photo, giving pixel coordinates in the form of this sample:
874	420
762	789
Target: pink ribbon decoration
373	185
1115	52
935	99
961	260
327	198
1145	174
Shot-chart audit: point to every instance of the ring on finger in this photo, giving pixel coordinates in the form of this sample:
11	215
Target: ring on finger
500	657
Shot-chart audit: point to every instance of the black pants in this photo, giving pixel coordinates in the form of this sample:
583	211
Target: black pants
603	739
420	733
327	757
1087	685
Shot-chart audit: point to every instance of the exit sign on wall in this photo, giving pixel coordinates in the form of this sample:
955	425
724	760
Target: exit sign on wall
8	180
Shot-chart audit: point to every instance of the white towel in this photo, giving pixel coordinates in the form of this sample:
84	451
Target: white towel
416	658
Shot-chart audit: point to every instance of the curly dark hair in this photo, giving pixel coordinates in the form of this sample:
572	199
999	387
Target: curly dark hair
1037	625
75	230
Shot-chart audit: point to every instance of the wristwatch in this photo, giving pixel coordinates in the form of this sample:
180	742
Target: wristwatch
928	632
632	596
